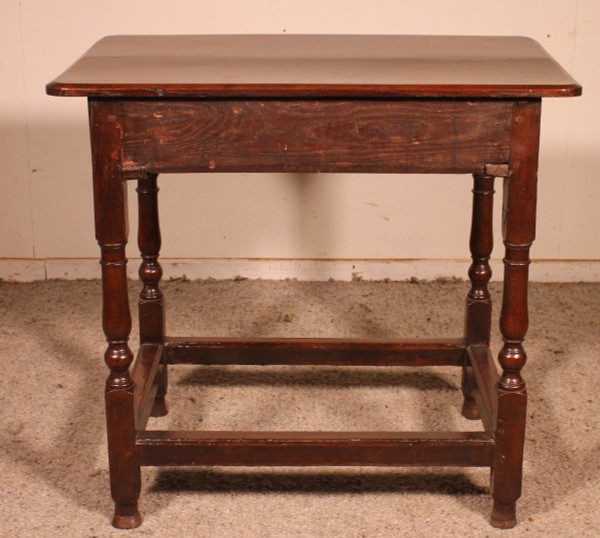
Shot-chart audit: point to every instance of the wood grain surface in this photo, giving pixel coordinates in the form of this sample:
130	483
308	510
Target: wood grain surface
315	448
418	136
315	66
332	351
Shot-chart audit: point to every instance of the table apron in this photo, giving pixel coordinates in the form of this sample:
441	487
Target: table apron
360	136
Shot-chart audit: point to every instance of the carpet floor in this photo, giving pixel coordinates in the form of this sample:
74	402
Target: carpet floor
53	461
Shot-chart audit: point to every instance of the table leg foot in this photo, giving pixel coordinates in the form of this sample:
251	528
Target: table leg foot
126	516
504	515
159	409
469	410
469	407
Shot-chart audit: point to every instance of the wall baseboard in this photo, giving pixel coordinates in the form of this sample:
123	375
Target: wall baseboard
27	270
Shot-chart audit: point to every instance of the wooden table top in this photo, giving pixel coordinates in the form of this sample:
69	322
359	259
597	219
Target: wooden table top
315	66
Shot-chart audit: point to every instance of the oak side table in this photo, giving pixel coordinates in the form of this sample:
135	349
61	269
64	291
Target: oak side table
291	103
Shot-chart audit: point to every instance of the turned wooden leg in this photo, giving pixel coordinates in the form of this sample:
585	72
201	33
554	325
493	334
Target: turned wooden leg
124	469
518	234
478	314
151	304
110	203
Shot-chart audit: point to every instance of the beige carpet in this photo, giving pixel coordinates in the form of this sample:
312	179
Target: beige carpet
54	479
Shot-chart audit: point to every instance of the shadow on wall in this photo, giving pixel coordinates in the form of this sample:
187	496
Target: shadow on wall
314	216
290	216
47	208
47	191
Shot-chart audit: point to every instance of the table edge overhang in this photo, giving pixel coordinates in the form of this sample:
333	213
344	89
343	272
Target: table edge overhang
290	91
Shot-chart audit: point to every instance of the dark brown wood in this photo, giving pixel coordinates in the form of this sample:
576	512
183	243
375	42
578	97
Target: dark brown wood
479	304
159	407
110	204
315	104
485	379
468	386
315	66
478	316
518	233
151	302
145	380
405	136
315	448
311	351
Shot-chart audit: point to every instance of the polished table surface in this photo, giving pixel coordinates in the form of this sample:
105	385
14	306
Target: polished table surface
315	65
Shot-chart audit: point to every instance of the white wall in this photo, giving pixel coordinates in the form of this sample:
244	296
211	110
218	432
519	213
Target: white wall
45	180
